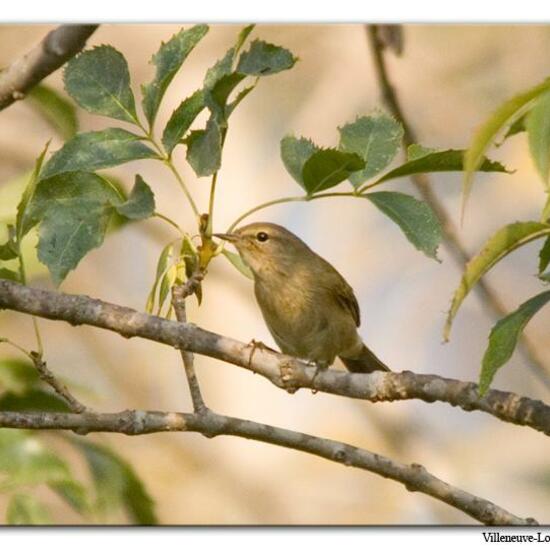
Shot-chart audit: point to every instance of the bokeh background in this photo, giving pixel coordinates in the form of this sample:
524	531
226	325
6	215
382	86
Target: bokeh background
449	79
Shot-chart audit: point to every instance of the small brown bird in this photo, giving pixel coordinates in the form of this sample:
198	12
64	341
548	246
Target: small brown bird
310	310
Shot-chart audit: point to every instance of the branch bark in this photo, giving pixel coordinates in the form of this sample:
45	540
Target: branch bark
57	47
413	476
378	386
423	184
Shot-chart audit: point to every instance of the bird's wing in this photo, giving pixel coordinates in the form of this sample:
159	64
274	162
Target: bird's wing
346	298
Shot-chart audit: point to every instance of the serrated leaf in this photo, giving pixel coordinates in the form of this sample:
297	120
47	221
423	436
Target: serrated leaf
416	151
140	203
162	266
22	221
73	210
168	61
240	96
544	255
504	338
294	153
92	151
216	97
55	109
482	139
264	59
204	149
328	167
237	262
503	242
116	484
376	139
451	160
538	133
27	510
99	81
415	218
181	120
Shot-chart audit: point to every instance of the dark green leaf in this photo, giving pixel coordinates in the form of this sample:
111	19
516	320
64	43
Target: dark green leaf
328	167
416	151
140	203
92	151
23	223
237	262
116	483
240	96
376	139
74	210
503	242
26	510
181	120
295	152
504	337
217	96
544	256
416	219
451	160
8	250
60	113
8	274
167	61
264	59
204	149
99	81
17	376
516	127
32	400
538	133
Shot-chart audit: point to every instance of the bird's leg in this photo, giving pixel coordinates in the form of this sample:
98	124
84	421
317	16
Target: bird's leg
255	344
319	366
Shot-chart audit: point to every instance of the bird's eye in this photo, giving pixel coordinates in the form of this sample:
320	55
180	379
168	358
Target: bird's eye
262	236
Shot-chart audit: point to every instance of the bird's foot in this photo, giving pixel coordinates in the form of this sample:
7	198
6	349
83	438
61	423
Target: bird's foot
254	345
288	379
319	366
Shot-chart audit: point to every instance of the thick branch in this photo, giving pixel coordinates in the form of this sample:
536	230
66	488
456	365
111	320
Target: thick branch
378	386
57	47
414	476
422	183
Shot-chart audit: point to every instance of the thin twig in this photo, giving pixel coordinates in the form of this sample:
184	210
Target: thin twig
55	49
413	476
179	294
379	386
423	184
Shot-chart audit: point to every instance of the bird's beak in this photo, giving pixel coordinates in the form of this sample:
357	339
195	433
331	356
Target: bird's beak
231	237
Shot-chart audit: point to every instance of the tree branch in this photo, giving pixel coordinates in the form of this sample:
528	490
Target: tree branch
422	183
414	476
57	47
378	386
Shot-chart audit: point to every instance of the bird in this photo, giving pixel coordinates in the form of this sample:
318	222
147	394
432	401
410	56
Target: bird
308	307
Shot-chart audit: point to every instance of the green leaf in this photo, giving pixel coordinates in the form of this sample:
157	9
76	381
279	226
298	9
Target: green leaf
415	218
544	256
167	61
56	110
8	274
376	139
17	376
505	240
508	112
23	223
32	400
217	96
26	510
24	461
294	153
73	493
263	59
181	120
166	283
116	483
99	81
328	167
416	151
451	160
204	149
8	250
504	338
92	151
516	127
162	266
140	203
240	96
538	133
73	210
545	216
237	262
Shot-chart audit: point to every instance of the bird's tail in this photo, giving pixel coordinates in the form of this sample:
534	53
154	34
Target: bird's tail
366	361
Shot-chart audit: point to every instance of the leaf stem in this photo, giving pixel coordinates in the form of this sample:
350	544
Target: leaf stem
169	221
211	203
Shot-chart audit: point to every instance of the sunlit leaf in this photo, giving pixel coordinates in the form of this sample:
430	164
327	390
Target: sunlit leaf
504	337
416	151
25	509
538	133
503	242
162	266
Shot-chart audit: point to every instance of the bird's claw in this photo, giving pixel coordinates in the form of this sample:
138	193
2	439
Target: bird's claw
286	369
254	345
